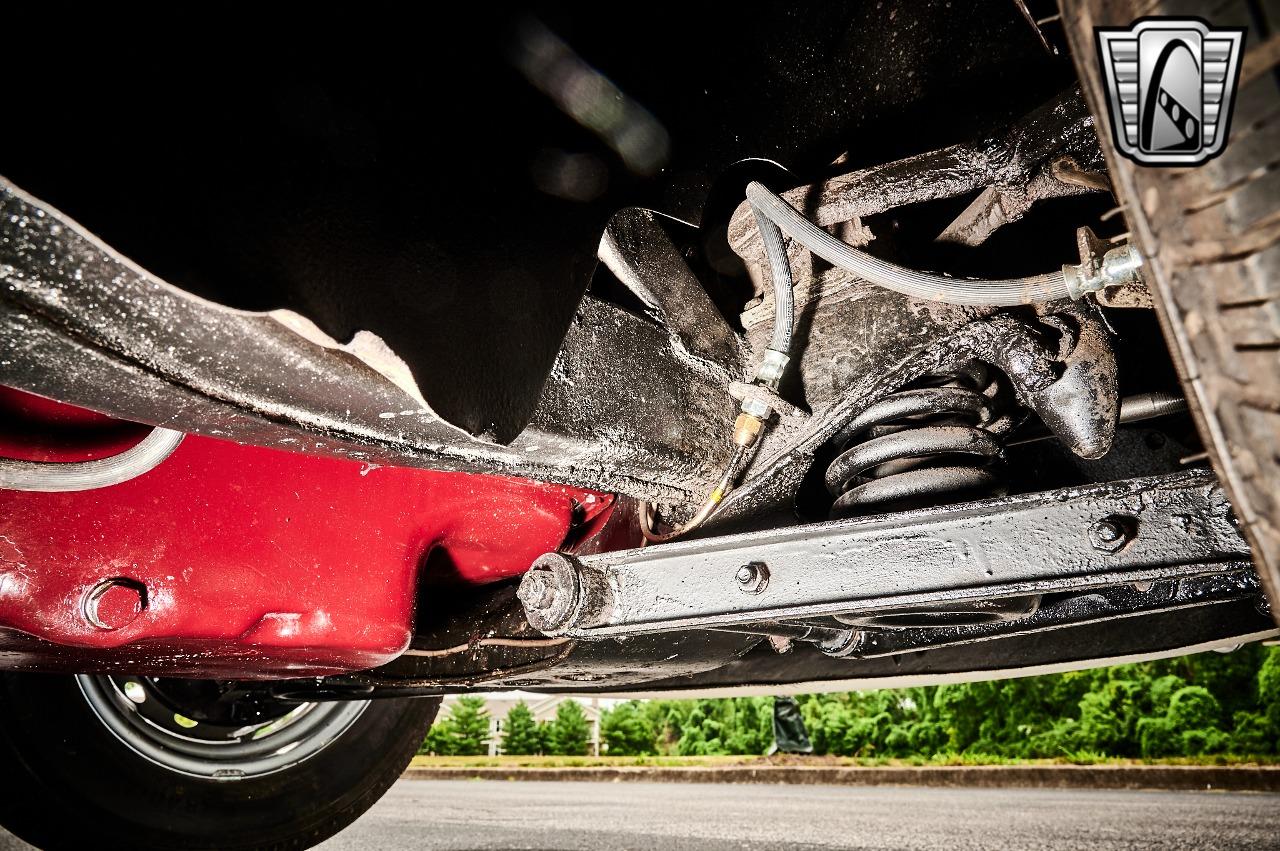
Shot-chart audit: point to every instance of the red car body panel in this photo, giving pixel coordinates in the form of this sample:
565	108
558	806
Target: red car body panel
254	562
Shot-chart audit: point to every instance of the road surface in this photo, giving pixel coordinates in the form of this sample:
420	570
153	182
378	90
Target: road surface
435	815
482	815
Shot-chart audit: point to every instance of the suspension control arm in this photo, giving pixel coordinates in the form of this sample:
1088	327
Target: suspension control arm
1139	530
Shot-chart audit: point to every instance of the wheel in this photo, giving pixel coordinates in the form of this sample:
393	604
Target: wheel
135	762
1212	236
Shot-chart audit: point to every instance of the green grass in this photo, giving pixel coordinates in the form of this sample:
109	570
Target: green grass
575	761
816	761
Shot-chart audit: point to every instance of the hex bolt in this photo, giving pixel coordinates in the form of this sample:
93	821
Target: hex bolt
535	591
753	577
114	603
1111	533
843	644
550	592
1107	531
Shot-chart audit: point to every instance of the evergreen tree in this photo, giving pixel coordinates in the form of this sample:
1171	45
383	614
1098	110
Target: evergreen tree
570	732
544	737
470	722
627	731
439	740
521	733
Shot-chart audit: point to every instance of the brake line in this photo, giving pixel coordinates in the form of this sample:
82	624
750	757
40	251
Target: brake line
774	216
1069	282
754	409
64	477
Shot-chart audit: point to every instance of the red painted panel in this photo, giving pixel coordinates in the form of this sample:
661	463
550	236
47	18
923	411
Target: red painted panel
256	561
33	428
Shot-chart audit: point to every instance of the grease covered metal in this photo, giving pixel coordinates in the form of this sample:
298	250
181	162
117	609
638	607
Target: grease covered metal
622	409
1036	543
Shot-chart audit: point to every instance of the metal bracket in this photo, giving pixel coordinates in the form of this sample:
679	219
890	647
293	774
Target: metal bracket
1172	526
1114	274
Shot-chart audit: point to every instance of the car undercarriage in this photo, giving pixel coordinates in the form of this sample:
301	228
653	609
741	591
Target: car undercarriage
839	348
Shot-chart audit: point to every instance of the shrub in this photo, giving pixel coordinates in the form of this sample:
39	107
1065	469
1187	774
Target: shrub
1203	741
1269	687
1252	734
1157	738
1109	717
1162	690
1193	707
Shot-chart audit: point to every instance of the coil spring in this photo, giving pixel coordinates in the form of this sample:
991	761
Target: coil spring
939	437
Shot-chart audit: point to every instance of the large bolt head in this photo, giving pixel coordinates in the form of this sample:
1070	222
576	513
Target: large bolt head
549	593
537	591
844	644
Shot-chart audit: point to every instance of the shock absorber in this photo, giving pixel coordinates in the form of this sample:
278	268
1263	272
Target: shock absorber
938	438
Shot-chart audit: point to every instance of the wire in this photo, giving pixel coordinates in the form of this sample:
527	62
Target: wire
769	375
489	642
999	293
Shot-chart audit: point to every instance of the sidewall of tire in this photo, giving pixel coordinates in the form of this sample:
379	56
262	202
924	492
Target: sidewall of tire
68	782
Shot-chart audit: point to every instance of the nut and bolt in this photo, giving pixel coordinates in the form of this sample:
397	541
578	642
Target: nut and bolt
1110	534
550	592
536	592
772	367
115	603
746	429
753	577
1101	268
843	644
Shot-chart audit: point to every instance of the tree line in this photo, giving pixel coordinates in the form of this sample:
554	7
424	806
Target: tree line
1189	706
465	731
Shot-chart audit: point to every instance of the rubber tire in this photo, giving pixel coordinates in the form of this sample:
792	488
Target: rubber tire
67	782
1212	234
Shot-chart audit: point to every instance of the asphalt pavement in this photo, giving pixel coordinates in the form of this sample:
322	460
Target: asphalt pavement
465	815
434	815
